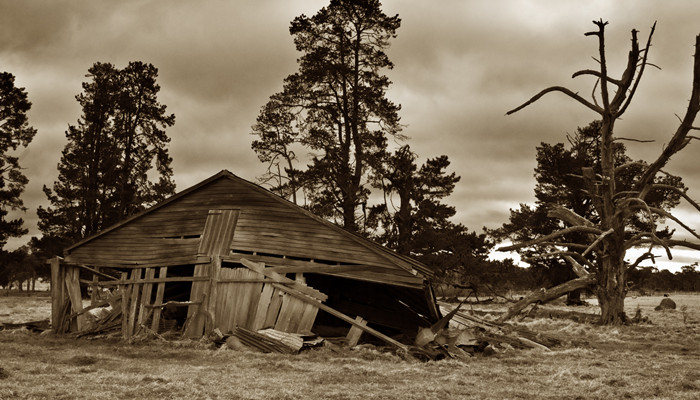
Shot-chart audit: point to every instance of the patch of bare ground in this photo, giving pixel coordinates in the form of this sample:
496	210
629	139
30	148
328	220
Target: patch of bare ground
658	360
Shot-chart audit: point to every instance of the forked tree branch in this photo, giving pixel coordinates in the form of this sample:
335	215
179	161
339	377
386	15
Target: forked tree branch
584	229
597	75
679	139
578	268
682	193
598	240
564	90
641	71
568	216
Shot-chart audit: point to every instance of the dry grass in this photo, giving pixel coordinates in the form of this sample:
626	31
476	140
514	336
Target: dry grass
659	360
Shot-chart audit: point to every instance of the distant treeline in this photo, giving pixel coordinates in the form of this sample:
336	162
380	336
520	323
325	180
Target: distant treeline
503	277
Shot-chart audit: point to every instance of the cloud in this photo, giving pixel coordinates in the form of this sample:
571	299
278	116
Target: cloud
459	66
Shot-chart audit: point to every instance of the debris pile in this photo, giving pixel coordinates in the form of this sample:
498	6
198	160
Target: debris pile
459	335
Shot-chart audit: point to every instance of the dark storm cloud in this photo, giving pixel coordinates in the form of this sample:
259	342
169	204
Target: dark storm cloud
459	66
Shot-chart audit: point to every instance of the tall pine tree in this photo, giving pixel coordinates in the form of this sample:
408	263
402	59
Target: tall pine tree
341	114
14	132
103	172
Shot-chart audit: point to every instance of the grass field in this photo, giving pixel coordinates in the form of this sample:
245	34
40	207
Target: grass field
660	360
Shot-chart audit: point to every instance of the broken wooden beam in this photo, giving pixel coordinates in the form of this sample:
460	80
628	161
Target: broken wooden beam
545	295
344	317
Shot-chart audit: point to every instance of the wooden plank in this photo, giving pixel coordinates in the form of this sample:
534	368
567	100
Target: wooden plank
195	314
260	268
296	313
146	298
210	309
159	300
249	295
73	289
93	290
342	316
226	294
262	307
355	332
285	314
223	314
57	293
218	232
254	290
274	309
126	295
97	260
134	301
156	280
308	318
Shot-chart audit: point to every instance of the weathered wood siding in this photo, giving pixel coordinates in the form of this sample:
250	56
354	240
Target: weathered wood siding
266	225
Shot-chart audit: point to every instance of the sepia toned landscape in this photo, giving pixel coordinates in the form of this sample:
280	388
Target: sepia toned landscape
657	360
349	199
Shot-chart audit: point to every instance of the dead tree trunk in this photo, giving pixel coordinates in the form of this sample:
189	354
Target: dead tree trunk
609	237
546	295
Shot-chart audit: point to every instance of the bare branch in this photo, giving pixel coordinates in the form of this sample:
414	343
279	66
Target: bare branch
596	74
578	268
585	229
595	86
641	71
627	76
603	64
670	216
641	258
651	240
630	164
568	216
682	193
562	89
563	254
545	295
682	243
589	182
595	242
679	139
568	245
634	140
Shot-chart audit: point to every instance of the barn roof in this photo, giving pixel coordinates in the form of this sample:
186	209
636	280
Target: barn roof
267	223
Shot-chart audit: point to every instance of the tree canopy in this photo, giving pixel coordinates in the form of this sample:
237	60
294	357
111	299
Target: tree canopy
15	131
334	107
559	184
104	169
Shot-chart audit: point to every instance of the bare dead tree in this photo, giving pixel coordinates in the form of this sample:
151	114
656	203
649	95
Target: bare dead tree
608	238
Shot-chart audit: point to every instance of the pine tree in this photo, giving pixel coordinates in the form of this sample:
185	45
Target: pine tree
15	132
103	172
341	114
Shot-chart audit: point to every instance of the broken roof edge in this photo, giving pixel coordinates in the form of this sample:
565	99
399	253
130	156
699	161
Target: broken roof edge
407	263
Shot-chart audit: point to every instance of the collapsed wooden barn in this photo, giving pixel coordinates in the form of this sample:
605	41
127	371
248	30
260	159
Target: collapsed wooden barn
227	253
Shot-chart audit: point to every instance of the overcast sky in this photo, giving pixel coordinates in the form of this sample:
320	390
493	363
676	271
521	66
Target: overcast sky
459	66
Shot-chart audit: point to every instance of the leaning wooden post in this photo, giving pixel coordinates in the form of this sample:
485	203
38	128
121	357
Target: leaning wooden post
210	311
57	293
